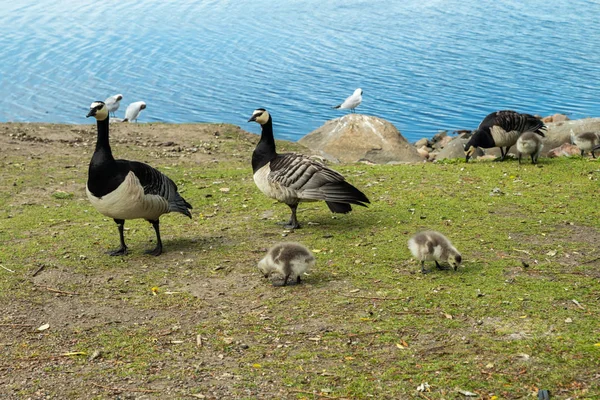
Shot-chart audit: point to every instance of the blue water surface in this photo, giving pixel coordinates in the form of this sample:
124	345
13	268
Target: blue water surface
424	65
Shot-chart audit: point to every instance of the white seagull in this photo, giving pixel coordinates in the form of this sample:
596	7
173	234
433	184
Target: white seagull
352	101
113	103
133	111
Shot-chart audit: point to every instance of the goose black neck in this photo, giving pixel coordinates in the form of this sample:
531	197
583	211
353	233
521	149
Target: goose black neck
102	143
265	150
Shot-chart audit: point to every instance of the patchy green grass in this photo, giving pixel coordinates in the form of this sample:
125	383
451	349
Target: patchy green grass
520	315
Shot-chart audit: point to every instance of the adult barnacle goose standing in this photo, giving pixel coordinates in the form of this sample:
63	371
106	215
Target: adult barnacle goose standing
292	178
502	129
122	189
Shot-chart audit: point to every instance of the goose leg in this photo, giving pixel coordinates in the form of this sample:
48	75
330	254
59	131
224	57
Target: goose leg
593	155
582	152
158	249
520	157
285	280
423	270
293	223
437	264
121	251
298	280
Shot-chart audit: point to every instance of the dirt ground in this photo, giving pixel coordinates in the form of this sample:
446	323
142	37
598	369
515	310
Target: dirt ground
213	329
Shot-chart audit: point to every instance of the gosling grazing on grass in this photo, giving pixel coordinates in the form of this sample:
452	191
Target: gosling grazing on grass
433	246
586	141
113	103
502	129
292	178
133	111
352	101
287	259
122	189
529	144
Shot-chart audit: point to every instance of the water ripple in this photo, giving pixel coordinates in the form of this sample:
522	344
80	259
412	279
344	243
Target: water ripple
423	65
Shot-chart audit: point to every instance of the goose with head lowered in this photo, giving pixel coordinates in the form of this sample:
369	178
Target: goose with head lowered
292	178
502	129
122	189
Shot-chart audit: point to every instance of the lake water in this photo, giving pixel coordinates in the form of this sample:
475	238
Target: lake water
424	65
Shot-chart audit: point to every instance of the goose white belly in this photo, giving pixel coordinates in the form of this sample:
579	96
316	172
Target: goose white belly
128	201
273	189
503	138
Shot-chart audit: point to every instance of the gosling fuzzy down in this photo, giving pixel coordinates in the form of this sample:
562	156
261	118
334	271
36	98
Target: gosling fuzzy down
586	141
529	144
433	246
287	259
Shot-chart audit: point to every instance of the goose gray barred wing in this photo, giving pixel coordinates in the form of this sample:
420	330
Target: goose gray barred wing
157	183
514	121
312	180
299	172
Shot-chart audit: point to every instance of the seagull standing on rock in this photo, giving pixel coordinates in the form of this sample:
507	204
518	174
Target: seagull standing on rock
352	101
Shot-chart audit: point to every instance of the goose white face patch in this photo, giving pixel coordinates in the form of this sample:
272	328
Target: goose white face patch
263	116
102	112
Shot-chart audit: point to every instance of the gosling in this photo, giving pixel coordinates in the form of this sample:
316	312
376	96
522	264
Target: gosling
586	141
433	246
529	144
287	259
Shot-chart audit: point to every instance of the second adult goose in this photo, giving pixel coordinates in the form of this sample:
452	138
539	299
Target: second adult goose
502	129
122	189
292	178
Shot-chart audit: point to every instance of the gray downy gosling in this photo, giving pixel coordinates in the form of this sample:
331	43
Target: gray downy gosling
529	144
287	259
586	141
433	246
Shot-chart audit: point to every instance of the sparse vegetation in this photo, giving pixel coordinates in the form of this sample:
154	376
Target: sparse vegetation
521	314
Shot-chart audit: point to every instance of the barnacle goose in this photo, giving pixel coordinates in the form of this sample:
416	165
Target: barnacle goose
433	246
122	189
352	101
586	141
133	111
529	144
113	103
502	129
291	178
287	259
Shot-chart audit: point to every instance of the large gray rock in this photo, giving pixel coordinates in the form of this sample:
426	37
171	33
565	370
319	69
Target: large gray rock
357	137
559	133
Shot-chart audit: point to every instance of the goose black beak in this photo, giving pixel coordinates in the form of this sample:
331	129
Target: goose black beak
91	113
252	118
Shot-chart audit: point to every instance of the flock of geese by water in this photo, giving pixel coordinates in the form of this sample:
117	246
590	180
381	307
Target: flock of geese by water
123	189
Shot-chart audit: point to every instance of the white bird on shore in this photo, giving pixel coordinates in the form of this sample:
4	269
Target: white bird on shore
352	101
113	103
133	111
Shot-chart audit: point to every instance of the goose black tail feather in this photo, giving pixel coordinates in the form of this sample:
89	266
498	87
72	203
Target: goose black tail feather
180	205
339	208
342	193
